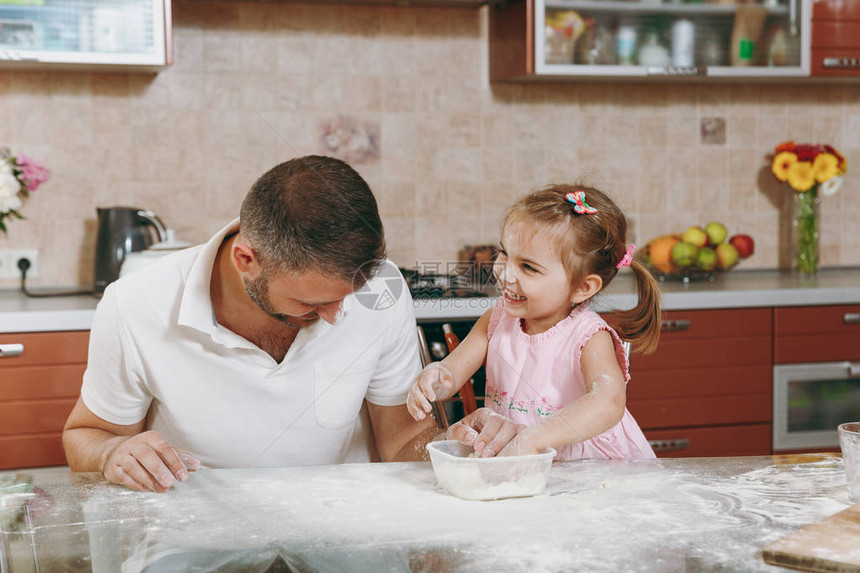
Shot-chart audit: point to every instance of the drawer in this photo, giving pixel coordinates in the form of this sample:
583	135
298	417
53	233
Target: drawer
706	411
700	382
835	10
836	35
32	450
41	348
29	382
816	334
687	353
745	440
34	416
710	338
686	324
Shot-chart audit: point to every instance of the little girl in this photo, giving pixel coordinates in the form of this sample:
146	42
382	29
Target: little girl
554	366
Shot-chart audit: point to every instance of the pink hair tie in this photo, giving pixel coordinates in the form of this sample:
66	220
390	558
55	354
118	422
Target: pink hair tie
627	258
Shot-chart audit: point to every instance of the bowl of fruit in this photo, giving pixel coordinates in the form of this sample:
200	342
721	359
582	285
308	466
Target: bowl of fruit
697	254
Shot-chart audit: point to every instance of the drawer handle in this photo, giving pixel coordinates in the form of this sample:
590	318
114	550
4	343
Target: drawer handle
7	350
675	445
674	325
851	318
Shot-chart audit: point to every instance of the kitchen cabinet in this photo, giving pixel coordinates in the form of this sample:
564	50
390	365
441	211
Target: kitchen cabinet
615	39
816	375
816	334
707	390
128	35
40	380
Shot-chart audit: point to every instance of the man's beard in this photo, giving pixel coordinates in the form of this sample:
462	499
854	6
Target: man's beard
258	290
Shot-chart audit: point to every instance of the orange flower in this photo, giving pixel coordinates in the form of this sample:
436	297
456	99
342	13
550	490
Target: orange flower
782	164
801	176
825	166
784	146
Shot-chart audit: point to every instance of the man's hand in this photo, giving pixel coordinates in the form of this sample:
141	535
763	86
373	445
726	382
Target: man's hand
146	462
485	431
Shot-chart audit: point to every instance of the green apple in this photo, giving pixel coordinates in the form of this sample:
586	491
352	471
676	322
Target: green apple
727	256
684	254
695	235
717	232
706	259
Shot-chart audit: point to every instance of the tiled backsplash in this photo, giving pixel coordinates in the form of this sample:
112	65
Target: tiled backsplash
402	93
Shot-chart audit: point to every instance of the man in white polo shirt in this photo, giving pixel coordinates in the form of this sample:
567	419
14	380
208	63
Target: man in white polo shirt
216	355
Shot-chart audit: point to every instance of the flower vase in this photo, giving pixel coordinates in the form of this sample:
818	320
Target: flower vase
805	234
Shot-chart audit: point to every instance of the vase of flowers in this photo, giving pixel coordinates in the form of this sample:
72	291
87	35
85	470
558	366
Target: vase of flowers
811	171
19	176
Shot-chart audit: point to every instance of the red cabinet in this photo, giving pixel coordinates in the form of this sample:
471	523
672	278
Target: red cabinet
816	334
38	389
707	390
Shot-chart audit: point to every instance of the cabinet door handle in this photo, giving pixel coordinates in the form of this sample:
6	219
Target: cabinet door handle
851	318
7	350
674	445
675	325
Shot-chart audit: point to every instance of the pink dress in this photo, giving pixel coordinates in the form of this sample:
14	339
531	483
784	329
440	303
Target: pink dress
532	376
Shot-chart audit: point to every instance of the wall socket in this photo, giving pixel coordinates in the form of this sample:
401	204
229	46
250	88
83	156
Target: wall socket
9	263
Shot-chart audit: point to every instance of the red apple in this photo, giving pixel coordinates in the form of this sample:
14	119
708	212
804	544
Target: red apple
744	244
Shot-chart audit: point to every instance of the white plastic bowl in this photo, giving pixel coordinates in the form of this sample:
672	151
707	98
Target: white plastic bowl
488	478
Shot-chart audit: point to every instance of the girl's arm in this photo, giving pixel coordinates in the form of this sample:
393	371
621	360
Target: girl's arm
590	415
441	380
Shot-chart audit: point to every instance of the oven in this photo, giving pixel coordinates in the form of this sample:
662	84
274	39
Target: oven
459	293
434	335
810	401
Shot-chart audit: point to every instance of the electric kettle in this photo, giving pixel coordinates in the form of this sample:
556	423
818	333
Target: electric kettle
122	230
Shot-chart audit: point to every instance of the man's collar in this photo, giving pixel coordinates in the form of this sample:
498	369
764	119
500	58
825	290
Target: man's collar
196	309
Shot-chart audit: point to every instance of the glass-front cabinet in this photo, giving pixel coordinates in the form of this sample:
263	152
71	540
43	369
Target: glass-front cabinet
131	34
659	38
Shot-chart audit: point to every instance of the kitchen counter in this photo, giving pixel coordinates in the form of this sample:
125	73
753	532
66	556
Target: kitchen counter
21	314
699	514
736	289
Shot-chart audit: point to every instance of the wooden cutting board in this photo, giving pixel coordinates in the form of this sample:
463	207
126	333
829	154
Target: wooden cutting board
831	545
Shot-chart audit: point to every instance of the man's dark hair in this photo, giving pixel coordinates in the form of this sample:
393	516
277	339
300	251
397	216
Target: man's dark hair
314	213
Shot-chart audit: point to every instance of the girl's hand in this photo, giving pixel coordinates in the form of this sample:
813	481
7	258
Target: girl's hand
485	431
435	382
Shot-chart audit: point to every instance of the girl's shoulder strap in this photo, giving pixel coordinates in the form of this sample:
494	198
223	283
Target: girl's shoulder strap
589	324
496	317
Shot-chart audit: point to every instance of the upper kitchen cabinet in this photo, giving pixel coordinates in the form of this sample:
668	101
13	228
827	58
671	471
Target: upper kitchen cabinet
604	39
127	35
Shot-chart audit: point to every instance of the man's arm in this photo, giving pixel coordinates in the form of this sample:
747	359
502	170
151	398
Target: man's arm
142	461
398	437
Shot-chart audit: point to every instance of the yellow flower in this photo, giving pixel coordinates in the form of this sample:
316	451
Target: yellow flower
801	176
825	166
782	164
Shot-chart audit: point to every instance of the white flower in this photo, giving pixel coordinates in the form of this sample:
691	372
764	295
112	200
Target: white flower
831	187
9	189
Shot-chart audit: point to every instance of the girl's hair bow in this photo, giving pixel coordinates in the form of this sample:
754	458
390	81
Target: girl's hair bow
627	258
579	204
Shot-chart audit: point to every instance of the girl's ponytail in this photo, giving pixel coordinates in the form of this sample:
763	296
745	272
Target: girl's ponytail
641	324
